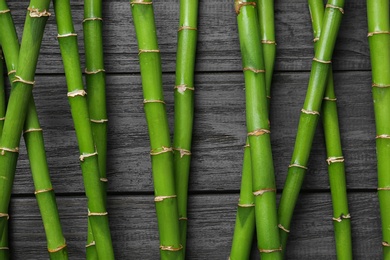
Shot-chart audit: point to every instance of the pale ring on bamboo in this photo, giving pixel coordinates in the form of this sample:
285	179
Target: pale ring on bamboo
322	61
4	215
99	121
30	130
19	79
385	244
182	88
335	159
239	4
43	191
85	155
57	249
262	191
183	219
171	248
35	13
335	7
384	189
161	198
66	35
298	166
268	42
330	99
181	28
377	85
140	2
93	243
86	71
377	32
182	152
283	228
383	136
249	205
98	214
140	51
253	70
77	92
262	250
92	19
310	112
5	11
146	101
11	71
11	150
103	179
4	248
259	132
2	118
342	216
161	150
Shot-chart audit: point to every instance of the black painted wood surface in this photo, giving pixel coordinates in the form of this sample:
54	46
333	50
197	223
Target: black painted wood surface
219	135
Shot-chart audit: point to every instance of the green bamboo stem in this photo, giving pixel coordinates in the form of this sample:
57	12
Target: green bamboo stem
97	213
258	131
379	42
309	115
338	187
156	117
36	18
184	107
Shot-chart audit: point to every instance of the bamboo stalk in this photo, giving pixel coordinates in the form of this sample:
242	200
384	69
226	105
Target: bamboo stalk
156	117
184	107
258	131
379	42
97	213
309	115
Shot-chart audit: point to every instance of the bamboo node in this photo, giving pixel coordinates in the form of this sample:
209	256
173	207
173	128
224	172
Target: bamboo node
182	88
57	249
253	70
85	155
35	13
384	188
268	42
182	152
11	71
93	243
316	39
4	215
161	198
171	248
250	205
92	19
322	61
377	32
269	97
97	214
377	85
259	132
161	150
147	51
99	121
32	130
335	159
310	112
4	248
86	71
283	228
330	99
386	244
298	166
181	28
43	191
279	249
335	7
103	179
19	79
146	101
384	136
2	118
5	11
66	35
262	191
183	219
342	216
247	145
239	4
77	92
140	2
11	150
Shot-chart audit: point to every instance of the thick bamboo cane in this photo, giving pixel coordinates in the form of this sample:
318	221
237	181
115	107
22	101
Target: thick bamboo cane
156	117
309	115
379	42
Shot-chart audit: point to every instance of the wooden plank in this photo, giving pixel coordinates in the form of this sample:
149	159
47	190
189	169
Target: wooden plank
211	224
218	47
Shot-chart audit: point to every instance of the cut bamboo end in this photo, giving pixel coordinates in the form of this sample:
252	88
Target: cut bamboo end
140	51
341	218
43	191
88	72
171	248
385	244
4	248
140	2
93	243
57	249
182	88
11	72
92	19
262	250
335	7
370	34
86	155
384	189
383	136
268	42
298	166
5	11
239	4
310	112
162	198
99	121
67	35
253	70
377	85
103	179
30	130
322	61
161	150
97	214
262	191
183	152
77	92
250	205
280	226
147	101
4	215
181	28
19	79
35	13
335	159
259	132
11	150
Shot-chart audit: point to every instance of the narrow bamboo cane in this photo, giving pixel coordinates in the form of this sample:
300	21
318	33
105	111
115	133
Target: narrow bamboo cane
338	187
258	131
156	117
97	213
309	115
96	89
184	107
36	18
379	42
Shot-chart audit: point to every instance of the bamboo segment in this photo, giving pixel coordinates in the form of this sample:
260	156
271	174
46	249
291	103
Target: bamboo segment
156	117
379	42
309	115
258	131
97	213
184	107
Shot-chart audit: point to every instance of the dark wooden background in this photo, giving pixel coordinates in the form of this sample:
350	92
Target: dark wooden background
219	135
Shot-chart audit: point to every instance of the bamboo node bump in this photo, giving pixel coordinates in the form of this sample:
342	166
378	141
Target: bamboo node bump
35	13
330	99
103	179
86	71
140	2
262	191
99	121
146	101
239	4
77	92
316	39
268	42
161	198
98	214
5	11
66	35
11	150
386	244
335	7
322	61
93	243
4	215
182	152
171	248
86	155
92	19
310	112
259	132
4	248
181	28
140	51
247	145
19	79
283	228
370	34
335	159
253	70
183	219
182	88
43	191
161	150
2	118
298	166
342	216
384	188
383	136
11	72
262	250
250	205
378	85
32	130
57	249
